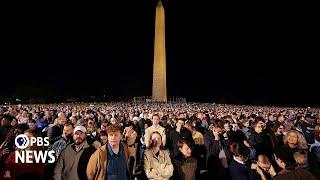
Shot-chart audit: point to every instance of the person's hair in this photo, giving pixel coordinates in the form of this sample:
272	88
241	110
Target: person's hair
7	117
276	125
22	127
302	143
156	115
317	133
301	159
33	132
243	121
188	122
181	142
103	133
180	119
217	123
254	124
113	128
285	157
239	149
164	118
152	142
260	118
69	124
130	123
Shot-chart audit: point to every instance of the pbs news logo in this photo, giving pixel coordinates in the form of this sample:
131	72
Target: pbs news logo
30	156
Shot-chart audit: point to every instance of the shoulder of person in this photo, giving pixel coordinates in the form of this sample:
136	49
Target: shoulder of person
166	152
147	130
101	149
148	152
305	173
66	149
91	149
192	160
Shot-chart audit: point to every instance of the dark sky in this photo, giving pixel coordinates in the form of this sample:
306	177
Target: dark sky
215	52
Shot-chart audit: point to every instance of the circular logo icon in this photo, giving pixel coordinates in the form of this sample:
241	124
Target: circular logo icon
21	141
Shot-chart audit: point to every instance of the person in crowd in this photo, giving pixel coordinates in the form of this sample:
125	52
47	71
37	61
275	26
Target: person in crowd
66	139
55	132
307	128
41	122
142	121
238	168
260	140
103	137
58	146
33	126
301	160
130	137
177	134
110	161
23	118
5	127
199	150
263	164
73	160
277	135
157	162
288	167
155	127
164	123
294	142
196	135
216	155
245	127
185	166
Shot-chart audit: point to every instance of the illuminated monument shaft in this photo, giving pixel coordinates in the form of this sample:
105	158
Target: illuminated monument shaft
159	85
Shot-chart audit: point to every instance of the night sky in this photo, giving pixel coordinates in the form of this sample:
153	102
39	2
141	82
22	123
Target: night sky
95	49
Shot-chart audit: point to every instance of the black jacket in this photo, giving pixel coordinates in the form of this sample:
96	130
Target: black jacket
83	161
262	143
54	133
213	163
175	136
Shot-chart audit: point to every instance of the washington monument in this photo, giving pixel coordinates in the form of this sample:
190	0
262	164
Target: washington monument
159	85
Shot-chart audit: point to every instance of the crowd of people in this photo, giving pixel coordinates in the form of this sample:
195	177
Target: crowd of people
183	141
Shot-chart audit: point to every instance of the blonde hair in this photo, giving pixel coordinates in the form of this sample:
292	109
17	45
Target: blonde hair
302	143
301	159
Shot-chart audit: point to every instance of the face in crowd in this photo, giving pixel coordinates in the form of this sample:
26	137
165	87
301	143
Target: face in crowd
62	119
292	139
67	131
104	139
155	120
185	150
79	137
156	140
114	138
